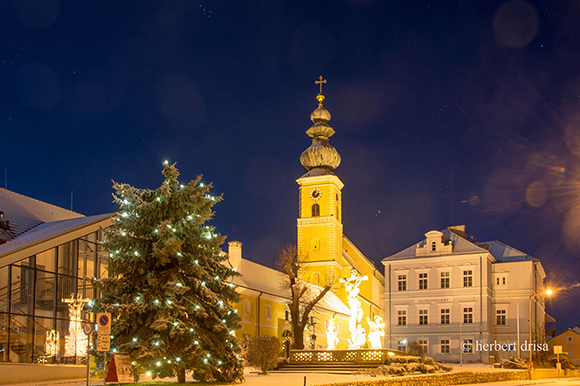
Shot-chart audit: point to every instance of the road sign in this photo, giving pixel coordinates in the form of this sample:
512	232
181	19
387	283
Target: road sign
104	323
87	328
103	342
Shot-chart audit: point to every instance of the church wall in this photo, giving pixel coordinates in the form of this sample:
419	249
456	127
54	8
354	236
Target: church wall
276	324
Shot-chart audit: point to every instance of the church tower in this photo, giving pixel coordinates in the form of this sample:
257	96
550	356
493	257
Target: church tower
320	222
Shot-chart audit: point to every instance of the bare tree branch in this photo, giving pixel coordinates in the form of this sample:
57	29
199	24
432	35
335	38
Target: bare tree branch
301	303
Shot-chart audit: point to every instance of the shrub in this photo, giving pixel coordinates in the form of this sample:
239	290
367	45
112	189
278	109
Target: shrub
262	352
415	349
446	368
564	361
422	368
411	367
430	369
514	363
429	361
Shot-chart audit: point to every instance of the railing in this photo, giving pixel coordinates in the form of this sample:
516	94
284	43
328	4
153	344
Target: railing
354	355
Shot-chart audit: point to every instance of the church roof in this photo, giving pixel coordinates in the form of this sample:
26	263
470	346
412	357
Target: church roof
25	213
460	246
270	281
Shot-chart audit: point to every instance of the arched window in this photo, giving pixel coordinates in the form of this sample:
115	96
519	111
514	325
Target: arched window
339	326
268	314
315	210
315	278
287	315
315	245
337	208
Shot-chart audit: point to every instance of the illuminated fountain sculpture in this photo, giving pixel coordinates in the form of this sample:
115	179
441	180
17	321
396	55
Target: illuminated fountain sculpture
76	340
377	331
51	343
357	332
331	334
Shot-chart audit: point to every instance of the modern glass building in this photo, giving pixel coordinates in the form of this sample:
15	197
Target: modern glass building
48	256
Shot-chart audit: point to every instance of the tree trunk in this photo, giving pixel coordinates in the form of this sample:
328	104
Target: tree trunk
181	374
298	338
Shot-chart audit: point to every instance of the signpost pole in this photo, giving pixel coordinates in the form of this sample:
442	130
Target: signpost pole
105	368
88	358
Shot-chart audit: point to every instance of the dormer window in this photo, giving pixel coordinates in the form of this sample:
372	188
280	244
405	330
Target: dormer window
315	210
436	243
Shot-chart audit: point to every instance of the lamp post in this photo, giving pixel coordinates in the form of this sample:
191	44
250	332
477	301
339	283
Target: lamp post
548	292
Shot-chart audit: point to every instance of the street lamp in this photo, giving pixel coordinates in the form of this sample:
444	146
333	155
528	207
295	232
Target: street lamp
547	292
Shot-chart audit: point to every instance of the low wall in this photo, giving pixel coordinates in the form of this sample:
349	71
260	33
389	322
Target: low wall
359	355
553	373
33	372
458	378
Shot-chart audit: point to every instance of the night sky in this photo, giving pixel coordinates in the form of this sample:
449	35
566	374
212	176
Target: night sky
445	113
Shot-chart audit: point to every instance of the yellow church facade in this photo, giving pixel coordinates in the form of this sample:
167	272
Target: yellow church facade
326	253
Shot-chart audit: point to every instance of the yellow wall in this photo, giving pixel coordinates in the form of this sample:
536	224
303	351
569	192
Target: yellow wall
562	340
276	325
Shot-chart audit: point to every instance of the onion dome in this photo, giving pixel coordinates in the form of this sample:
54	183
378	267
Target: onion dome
320	154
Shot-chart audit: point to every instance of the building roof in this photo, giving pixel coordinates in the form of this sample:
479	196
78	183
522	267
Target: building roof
504	253
575	330
261	278
25	213
49	230
460	246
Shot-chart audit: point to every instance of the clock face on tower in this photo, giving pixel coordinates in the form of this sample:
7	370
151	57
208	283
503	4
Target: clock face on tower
315	194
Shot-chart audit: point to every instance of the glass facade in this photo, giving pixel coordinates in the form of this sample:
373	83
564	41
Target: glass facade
38	323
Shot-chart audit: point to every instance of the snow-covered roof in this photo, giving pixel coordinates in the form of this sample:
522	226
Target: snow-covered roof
264	279
25	213
505	253
49	230
460	245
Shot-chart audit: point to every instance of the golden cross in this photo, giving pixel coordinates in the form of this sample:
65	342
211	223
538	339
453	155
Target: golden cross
320	82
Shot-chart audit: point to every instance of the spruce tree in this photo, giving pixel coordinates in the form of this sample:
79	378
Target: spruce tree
170	290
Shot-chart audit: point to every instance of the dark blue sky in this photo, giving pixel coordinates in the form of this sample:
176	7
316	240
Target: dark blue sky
456	113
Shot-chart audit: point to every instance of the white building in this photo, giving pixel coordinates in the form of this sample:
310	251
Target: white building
446	289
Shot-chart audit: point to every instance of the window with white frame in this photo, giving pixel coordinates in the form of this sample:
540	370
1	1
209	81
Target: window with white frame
424	345
500	281
445	276
247	307
468	278
445	316
433	246
402	317
467	315
402	345
339	327
423	281
570	353
402	282
501	317
423	317
570	340
445	346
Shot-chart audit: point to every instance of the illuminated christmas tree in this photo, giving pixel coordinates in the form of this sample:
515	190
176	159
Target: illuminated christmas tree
171	294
